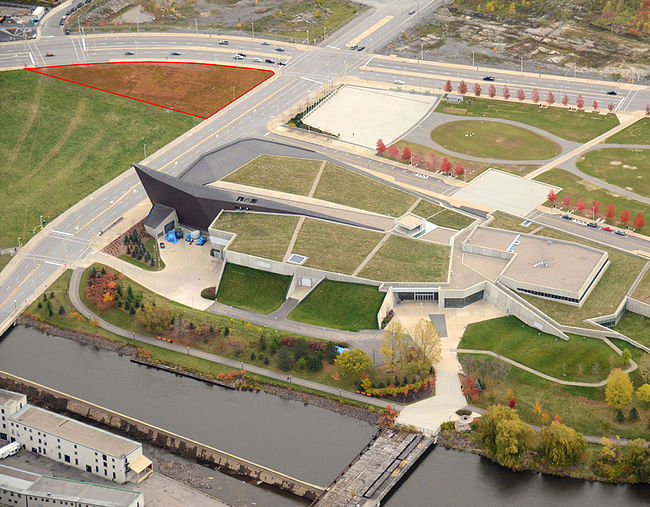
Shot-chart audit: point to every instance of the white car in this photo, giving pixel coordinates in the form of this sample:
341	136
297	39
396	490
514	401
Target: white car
238	57
257	60
398	82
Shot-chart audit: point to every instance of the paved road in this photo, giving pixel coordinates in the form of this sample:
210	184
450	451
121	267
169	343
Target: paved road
73	293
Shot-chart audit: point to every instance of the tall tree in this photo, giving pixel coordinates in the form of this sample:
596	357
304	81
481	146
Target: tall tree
535	95
566	200
448	87
492	91
513	439
506	92
390	345
427	339
419	160
638	221
610	211
595	208
565	100
619	390
581	205
460	170
580	102
406	153
445	166
521	95
561	445
625	216
595	105
487	425
393	151
610	106
350	364
432	162
462	87
381	147
550	98
552	196
477	89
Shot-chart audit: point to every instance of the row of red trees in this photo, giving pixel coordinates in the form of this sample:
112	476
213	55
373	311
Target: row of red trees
419	159
521	95
594	209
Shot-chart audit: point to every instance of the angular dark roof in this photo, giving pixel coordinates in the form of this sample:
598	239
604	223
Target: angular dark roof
158	214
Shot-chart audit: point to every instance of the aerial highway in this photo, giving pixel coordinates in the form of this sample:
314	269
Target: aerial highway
69	237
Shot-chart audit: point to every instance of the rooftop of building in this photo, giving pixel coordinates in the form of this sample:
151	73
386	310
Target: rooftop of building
7	396
75	431
409	221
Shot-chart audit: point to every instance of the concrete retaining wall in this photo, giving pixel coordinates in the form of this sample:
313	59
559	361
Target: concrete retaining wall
137	430
487	252
387	305
636	306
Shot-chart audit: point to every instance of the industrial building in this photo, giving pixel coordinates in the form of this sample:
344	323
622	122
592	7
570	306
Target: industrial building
10	403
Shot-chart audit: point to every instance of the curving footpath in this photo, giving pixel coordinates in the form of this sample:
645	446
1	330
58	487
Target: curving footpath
73	293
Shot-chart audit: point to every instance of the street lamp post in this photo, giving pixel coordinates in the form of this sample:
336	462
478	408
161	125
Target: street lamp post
19	245
144	147
41	220
253	29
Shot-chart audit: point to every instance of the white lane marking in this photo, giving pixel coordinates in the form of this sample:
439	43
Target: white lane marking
65	233
54	263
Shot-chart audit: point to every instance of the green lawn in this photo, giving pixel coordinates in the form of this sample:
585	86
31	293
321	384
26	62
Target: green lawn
606	296
264	235
345	187
637	133
494	140
451	219
4	260
252	289
576	126
635	326
66	141
510	223
334	247
285	174
426	209
625	167
472	168
340	305
577	187
408	260
151	246
573	360
583	409
642	291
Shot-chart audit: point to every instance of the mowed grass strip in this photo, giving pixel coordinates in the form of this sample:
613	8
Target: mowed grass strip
637	133
624	167
642	291
284	174
252	289
345	187
494	140
334	247
450	219
606	295
426	209
261	234
576	126
510	223
340	305
635	326
576	187
4	260
408	260
565	360
66	141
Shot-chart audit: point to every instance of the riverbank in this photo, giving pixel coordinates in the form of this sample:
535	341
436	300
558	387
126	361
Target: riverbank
342	407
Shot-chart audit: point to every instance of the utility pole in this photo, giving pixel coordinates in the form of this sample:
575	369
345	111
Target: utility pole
19	245
41	220
521	64
144	147
253	29
196	25
472	59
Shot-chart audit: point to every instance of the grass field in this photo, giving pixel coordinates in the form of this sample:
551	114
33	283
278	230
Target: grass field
340	305
252	289
573	360
637	133
408	260
642	291
623	167
345	187
510	223
334	247
576	126
494	140
259	234
4	260
451	219
426	209
635	326
577	187
285	174
608	293
66	141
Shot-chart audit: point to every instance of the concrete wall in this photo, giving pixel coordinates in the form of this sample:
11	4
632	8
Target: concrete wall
636	306
487	252
387	305
143	432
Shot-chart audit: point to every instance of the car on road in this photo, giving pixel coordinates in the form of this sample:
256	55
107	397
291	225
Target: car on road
566	217
129	53
80	5
223	42
238	57
257	60
280	50
612	92
592	224
488	78
398	82
72	10
607	228
264	43
62	22
243	55
282	64
354	47
411	12
269	60
49	53
67	13
175	53
361	48
620	233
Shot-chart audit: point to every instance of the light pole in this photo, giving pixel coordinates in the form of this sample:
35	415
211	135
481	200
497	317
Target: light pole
253	29
472	59
521	64
144	147
19	245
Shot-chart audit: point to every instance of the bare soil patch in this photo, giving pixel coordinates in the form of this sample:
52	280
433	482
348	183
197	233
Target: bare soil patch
192	88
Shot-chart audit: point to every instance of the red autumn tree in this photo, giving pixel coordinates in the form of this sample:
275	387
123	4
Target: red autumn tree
550	98
432	162
610	106
521	95
647	110
565	100
595	105
393	151
580	102
610	211
381	147
462	87
552	196
638	221
446	166
582	205
506	92
406	153
512	403
535	95
477	90
460	170
625	216
419	160
567	200
492	91
595	207
448	87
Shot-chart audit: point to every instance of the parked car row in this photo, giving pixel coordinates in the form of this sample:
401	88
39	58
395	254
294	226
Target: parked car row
594	225
71	10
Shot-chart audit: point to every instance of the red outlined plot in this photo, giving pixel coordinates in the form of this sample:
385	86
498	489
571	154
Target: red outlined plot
196	89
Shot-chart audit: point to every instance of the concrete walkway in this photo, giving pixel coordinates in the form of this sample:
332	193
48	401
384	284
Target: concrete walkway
73	293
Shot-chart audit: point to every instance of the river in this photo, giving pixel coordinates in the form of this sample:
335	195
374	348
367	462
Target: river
307	442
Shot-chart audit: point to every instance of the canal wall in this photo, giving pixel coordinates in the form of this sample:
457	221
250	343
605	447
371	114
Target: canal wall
57	401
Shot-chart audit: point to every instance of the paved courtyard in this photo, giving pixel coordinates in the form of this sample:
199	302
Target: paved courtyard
363	115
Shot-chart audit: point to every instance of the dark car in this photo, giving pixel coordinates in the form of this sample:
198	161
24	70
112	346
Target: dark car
488	78
243	55
62	22
67	13
49	53
269	60
612	92
619	232
87	2
129	53
281	50
175	53
566	217
361	48
282	64
592	224
80	5
73	9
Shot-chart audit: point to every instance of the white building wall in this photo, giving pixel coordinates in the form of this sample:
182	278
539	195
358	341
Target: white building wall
9	408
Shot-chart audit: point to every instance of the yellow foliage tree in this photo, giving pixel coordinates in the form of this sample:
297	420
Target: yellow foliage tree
427	338
619	390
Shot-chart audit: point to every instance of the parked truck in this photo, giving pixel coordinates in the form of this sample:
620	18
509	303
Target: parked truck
37	14
9	450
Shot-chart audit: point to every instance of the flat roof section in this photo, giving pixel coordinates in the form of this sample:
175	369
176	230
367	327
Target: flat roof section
492	238
74	431
498	190
7	396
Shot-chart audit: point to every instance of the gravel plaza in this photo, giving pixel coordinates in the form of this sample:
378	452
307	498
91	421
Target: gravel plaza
363	115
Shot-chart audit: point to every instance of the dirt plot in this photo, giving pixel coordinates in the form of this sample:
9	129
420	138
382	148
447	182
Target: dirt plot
192	88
